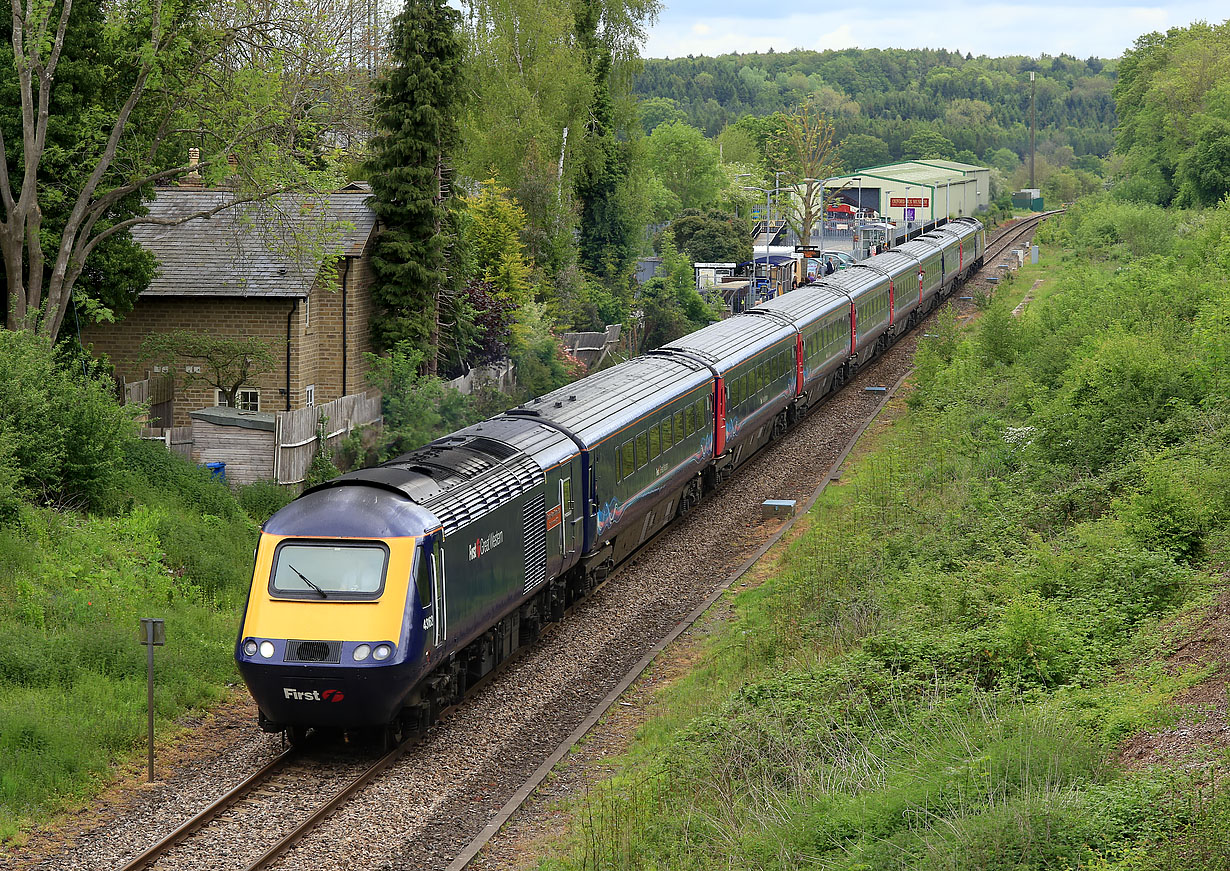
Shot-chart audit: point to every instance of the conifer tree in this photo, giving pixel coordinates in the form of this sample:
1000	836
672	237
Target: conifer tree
418	100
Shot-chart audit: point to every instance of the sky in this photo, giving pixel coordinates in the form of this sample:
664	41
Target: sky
1081	28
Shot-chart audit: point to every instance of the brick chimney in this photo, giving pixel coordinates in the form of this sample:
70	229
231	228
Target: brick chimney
193	178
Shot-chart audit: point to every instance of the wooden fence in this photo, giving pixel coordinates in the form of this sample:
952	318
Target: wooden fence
497	375
177	438
294	435
157	392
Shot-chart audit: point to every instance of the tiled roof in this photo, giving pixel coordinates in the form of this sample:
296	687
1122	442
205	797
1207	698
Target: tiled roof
255	249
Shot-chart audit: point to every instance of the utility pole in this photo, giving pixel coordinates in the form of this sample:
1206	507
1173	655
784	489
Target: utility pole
1033	123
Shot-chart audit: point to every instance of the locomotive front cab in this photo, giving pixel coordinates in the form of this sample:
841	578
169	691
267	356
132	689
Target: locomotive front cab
332	631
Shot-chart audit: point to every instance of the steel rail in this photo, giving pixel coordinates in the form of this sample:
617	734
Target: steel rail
338	798
210	813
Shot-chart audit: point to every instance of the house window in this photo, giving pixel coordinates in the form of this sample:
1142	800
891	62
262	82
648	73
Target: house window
247	399
310	392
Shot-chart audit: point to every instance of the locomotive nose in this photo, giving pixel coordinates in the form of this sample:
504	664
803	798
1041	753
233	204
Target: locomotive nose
337	698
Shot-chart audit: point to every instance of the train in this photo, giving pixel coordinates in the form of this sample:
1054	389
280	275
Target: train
380	597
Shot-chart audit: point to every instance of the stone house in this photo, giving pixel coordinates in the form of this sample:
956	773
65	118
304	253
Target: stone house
255	270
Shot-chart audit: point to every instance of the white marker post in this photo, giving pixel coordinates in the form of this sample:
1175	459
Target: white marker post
153	634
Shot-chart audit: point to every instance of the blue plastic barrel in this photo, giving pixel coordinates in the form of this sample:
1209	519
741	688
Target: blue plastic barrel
217	471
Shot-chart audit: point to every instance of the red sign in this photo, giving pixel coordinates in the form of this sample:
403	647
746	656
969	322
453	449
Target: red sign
553	517
911	203
896	202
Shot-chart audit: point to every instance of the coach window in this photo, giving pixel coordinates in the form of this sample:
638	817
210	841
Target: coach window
689	415
641	456
626	459
679	431
667	437
655	444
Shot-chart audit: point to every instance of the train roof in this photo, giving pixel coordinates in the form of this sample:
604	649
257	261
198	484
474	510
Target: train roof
603	403
965	225
351	512
805	305
548	445
456	479
730	342
857	280
893	263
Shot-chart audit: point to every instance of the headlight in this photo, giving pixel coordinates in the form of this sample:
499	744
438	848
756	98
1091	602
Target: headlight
382	652
249	647
267	649
362	652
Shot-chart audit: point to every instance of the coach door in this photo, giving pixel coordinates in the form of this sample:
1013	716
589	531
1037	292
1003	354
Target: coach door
440	597
567	528
429	584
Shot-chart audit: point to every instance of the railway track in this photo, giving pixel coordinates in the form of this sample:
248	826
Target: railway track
427	803
1003	241
462	854
272	782
996	248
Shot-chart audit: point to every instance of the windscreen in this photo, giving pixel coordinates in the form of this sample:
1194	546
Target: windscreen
329	571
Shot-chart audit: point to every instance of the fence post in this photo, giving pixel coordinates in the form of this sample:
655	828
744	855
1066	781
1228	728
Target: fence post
277	448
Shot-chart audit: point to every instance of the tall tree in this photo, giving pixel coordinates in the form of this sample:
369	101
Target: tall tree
102	100
807	154
711	236
1173	97
608	228
686	162
417	103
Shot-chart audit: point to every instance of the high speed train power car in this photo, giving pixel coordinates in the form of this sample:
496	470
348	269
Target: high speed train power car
380	596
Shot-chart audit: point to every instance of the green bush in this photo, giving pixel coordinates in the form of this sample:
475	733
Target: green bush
262	499
1124	391
62	432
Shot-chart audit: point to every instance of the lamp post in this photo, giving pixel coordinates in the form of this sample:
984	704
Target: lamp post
858	211
888	204
767	193
824	208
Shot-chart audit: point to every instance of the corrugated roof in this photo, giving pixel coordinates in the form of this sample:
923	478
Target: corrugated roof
270	249
922	172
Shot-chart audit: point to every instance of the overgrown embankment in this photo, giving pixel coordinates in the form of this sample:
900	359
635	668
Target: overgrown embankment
941	672
97	530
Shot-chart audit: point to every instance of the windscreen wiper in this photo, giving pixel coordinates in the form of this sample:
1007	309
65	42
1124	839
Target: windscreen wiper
323	594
